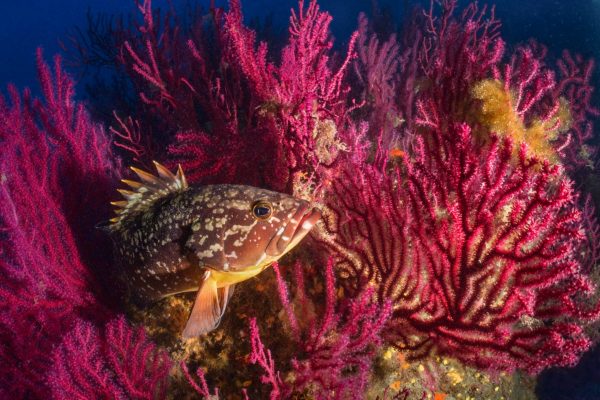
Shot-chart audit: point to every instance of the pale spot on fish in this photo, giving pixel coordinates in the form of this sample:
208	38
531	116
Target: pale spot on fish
261	258
231	255
210	252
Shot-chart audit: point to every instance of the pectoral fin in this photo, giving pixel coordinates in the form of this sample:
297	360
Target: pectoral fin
206	312
208	309
225	294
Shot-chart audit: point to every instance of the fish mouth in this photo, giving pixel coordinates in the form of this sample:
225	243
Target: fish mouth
294	231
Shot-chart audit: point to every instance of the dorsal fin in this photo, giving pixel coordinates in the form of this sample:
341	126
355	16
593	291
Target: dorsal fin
145	193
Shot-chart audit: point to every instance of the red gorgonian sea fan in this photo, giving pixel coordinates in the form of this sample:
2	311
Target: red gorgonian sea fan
116	362
335	351
440	65
477	251
478	248
226	113
47	146
56	166
334	347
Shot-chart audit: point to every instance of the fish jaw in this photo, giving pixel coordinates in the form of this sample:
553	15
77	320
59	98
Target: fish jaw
289	236
304	226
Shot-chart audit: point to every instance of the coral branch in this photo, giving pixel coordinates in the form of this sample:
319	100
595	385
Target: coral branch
202	389
590	250
474	252
117	363
339	347
263	358
55	166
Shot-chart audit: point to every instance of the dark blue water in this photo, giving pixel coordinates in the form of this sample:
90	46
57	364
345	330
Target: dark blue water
25	25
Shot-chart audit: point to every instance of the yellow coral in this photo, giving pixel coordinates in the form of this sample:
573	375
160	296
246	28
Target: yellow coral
498	114
455	376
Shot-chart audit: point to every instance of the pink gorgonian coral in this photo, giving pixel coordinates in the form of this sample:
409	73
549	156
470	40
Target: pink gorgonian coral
53	160
456	69
477	250
468	221
226	113
334	344
55	169
335	350
117	362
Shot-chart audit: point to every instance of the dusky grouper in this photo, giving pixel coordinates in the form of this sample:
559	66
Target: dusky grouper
173	238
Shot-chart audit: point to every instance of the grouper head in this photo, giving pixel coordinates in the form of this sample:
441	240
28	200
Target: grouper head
239	231
242	227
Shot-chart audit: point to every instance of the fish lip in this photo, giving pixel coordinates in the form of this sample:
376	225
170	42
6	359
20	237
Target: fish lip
310	217
294	231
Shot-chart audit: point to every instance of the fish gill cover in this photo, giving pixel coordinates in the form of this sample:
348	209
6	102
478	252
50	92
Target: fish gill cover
454	250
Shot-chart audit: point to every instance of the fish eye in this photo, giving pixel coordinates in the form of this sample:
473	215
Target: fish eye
262	210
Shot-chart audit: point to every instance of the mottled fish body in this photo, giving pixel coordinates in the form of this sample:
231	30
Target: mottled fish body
173	238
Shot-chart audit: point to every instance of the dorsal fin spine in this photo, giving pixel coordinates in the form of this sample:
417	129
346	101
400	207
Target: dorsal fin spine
143	194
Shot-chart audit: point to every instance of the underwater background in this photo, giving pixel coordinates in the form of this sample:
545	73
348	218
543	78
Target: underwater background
451	146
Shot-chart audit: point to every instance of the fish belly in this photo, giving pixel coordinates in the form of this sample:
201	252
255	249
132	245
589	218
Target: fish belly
226	278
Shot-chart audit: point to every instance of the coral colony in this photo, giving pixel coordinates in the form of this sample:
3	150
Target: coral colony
446	168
